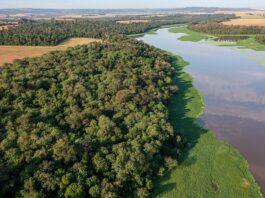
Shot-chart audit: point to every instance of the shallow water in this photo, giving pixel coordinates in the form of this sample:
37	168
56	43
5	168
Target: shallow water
232	82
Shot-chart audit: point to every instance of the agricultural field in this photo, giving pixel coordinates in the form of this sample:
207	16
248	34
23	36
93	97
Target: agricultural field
251	15
246	22
9	53
133	21
6	25
257	14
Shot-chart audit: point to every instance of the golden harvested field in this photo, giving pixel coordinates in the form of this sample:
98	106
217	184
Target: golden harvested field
247	22
133	21
5	27
9	53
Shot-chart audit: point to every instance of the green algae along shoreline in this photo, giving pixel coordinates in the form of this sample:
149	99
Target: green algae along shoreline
208	167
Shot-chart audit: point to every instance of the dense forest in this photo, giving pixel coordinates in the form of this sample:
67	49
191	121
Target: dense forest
88	122
220	29
53	32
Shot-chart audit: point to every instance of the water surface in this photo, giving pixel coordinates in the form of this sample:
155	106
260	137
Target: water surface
232	82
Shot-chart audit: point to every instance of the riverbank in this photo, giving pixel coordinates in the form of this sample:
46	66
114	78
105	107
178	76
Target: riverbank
152	31
194	36
208	167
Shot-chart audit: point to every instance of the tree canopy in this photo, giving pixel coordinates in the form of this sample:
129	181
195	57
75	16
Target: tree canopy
53	32
88	122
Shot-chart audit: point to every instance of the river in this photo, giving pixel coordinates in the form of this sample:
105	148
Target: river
232	82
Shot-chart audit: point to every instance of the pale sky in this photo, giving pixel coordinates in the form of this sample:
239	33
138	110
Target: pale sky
259	4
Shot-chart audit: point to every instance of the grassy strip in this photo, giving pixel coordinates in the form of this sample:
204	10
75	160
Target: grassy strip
252	16
209	167
152	32
249	43
193	36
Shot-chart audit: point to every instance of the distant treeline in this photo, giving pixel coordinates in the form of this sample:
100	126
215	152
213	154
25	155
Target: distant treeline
182	18
53	32
218	29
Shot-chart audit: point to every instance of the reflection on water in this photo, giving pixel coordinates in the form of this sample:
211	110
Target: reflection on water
232	82
230	38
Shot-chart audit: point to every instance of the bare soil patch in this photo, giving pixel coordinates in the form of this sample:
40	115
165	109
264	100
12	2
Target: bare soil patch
245	183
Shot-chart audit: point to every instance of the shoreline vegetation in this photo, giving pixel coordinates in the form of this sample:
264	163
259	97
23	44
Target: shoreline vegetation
189	34
152	31
209	167
194	36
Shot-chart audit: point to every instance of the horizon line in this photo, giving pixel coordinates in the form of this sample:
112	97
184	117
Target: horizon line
167	8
